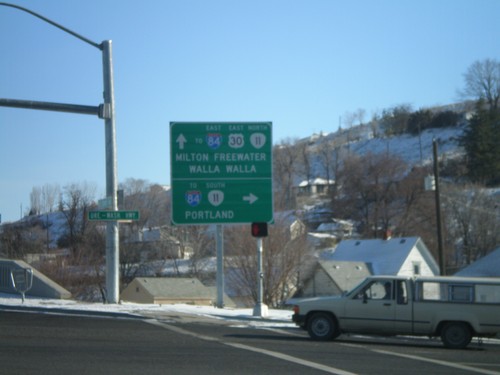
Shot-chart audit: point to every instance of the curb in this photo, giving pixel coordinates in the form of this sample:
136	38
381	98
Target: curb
70	312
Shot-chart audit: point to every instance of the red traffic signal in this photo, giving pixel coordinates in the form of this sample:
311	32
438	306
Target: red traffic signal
259	229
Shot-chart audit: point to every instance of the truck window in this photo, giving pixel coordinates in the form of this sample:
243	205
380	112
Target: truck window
461	293
377	290
401	292
487	293
450	291
431	291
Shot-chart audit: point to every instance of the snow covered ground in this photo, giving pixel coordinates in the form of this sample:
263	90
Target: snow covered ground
281	318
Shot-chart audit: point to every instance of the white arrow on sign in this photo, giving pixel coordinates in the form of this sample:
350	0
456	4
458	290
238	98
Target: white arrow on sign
181	140
250	198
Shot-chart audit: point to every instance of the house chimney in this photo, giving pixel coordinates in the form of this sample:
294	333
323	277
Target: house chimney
388	235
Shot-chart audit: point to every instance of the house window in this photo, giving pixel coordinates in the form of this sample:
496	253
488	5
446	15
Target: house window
416	268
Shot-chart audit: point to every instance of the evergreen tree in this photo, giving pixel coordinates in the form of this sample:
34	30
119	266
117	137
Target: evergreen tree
481	141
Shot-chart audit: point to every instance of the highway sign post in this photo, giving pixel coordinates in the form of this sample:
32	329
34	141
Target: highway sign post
221	172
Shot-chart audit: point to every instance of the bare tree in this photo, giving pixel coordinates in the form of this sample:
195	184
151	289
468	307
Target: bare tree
329	151
283	252
35	201
149	199
43	199
20	239
50	196
472	222
284	159
482	81
368	191
198	243
305	159
74	205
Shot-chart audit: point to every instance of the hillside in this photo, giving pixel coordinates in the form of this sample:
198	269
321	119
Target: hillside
414	150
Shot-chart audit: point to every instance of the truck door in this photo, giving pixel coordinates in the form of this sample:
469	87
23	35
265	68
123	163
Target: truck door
373	309
403	319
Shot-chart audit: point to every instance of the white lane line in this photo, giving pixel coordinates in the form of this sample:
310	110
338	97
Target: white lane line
438	362
285	357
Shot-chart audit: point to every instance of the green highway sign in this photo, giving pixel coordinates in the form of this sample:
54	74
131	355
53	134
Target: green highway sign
221	172
113	215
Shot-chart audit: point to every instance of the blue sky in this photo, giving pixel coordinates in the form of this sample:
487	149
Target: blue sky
304	65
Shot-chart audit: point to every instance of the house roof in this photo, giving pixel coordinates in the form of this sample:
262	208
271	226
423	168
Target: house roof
346	274
385	256
175	287
487	266
316	181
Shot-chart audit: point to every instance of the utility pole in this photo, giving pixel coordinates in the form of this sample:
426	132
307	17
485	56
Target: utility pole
442	269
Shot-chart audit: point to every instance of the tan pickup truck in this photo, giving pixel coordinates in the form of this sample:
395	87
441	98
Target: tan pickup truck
454	308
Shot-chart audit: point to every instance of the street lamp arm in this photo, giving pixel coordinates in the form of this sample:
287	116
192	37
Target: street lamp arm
86	40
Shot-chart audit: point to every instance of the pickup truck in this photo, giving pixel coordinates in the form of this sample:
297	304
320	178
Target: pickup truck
454	308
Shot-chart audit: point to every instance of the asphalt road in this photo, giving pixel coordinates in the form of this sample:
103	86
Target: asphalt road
56	344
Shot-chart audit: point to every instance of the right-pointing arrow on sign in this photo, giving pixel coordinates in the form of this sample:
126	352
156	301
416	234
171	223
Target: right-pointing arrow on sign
250	198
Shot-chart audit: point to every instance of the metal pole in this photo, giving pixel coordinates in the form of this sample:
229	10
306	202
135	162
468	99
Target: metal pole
107	112
442	269
219	239
112	230
260	308
56	107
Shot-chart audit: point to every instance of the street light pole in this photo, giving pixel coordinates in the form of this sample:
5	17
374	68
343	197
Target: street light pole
106	112
112	229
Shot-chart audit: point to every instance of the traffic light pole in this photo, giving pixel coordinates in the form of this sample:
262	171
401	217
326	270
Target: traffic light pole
219	239
260	308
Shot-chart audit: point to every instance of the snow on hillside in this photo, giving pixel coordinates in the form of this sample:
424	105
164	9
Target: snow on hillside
413	149
409	147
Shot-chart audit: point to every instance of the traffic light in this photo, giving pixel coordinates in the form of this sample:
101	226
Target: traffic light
259	229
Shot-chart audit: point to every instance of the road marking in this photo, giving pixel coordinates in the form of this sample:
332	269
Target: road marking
285	357
282	331
438	362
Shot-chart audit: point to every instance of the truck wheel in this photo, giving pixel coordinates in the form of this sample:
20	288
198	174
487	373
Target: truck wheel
322	327
456	335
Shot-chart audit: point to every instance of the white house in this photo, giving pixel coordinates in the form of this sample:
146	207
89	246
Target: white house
406	256
313	186
341	268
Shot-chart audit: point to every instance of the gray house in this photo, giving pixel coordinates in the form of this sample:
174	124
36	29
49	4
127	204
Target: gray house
332	277
170	290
